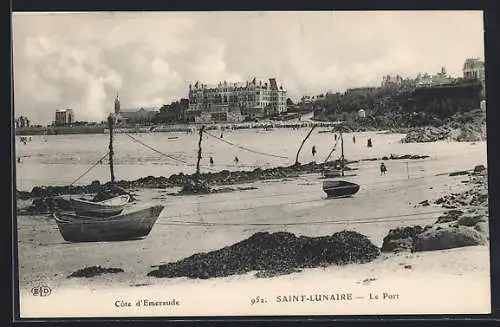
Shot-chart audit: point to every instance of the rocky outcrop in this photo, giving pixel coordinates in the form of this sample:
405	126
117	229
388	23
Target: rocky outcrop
195	186
448	237
449	216
426	134
398	157
401	239
462	127
210	179
465	224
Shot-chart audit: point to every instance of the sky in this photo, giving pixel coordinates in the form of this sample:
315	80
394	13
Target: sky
82	60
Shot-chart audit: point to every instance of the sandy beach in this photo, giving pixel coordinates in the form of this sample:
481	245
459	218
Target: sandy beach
425	283
296	205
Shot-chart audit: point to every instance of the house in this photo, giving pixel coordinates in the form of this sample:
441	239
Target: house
64	117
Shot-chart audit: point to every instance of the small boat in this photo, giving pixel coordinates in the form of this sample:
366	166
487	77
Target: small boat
106	208
122	227
339	188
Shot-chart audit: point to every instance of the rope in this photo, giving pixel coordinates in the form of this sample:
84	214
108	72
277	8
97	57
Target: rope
365	220
162	153
88	170
333	149
245	148
250	208
212	201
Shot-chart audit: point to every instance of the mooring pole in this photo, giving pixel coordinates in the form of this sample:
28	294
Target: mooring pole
199	151
407	170
342	153
301	145
110	126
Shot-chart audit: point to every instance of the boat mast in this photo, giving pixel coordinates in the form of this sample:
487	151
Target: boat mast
110	125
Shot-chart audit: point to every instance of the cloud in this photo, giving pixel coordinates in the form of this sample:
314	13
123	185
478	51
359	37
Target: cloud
82	60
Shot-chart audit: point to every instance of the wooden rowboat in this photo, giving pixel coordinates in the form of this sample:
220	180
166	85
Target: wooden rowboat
339	188
106	208
126	226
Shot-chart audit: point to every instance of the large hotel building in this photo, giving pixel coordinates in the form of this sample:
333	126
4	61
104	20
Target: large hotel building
233	102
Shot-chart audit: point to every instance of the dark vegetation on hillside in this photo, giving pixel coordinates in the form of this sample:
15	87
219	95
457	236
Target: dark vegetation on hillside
400	107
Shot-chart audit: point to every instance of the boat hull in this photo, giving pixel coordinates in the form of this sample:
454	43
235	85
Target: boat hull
129	226
105	208
340	189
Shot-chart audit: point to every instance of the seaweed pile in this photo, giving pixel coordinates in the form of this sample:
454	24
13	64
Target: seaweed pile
94	271
277	252
224	177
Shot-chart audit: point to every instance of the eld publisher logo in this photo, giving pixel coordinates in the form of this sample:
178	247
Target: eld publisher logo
41	290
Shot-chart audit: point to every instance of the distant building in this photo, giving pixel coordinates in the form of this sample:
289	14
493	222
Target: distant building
138	116
117	105
22	122
234	102
421	80
474	69
64	117
133	116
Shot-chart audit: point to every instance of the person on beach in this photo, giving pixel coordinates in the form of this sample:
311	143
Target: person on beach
314	150
18	159
335	137
236	160
353	139
211	161
383	169
369	143
221	135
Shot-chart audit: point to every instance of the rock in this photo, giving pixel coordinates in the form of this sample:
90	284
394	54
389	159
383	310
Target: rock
398	245
479	169
38	206
38	192
194	186
459	173
400	239
483	227
441	238
471	220
448	216
424	203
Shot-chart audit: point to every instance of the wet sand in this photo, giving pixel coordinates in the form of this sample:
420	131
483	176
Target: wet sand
45	256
